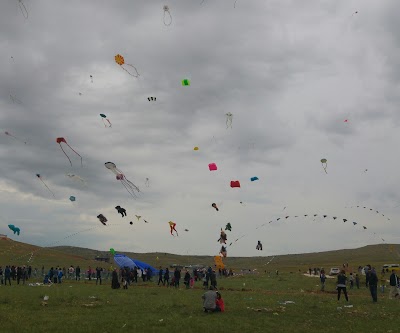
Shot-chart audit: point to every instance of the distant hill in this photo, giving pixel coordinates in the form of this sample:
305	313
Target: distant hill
12	252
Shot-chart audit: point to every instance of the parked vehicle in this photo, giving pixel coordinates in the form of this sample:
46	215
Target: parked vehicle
334	271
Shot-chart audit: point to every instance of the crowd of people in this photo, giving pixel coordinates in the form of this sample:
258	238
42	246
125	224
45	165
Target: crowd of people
371	282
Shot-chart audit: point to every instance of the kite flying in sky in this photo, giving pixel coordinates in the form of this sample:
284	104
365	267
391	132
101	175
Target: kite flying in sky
223	251
259	246
103	118
229	118
222	238
62	140
172	226
102	218
228	227
119	59
76	178
324	164
18	139
15	229
129	186
214	205
121	210
167	21
212	167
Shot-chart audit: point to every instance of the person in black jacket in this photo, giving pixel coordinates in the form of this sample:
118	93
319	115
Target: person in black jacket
160	276
341	285
393	284
373	284
177	276
187	280
166	277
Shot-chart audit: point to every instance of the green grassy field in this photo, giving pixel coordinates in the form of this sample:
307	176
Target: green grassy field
252	300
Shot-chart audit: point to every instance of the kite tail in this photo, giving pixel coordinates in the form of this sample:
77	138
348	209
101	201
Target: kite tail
75	153
132	185
165	11
129	191
109	123
23	9
65	154
134	75
104	122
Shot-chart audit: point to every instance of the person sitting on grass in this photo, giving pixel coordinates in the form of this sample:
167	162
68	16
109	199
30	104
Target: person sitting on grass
46	280
209	300
220	306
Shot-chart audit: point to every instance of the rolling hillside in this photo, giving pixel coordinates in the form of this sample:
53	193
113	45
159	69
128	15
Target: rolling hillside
12	252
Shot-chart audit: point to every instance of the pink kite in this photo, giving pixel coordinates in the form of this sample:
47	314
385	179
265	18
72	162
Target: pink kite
59	141
212	166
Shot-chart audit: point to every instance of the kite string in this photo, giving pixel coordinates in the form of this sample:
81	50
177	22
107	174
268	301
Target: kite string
65	154
74	152
47	187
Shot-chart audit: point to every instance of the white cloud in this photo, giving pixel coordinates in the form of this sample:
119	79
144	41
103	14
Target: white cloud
290	73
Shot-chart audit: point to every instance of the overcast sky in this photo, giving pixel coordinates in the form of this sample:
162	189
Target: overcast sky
291	72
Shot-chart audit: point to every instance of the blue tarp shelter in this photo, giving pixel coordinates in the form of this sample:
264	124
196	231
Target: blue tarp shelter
123	261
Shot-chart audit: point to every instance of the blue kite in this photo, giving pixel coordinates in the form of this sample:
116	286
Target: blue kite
14	228
253	179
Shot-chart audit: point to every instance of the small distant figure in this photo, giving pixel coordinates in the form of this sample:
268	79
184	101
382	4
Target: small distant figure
393	284
124	283
322	278
351	279
357	281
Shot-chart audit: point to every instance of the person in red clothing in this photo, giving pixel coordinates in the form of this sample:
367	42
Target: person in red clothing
220	306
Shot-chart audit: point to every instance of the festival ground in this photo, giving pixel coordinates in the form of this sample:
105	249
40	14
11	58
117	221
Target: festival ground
254	301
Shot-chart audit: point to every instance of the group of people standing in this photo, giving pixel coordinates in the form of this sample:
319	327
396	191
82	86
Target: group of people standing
18	273
371	282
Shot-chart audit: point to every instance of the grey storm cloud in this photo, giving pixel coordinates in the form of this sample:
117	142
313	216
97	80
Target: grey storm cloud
289	73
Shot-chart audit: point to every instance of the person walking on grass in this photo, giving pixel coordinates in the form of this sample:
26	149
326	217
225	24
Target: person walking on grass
341	285
166	277
393	284
322	277
373	285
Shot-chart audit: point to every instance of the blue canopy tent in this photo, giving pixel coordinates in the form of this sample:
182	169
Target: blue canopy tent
123	261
